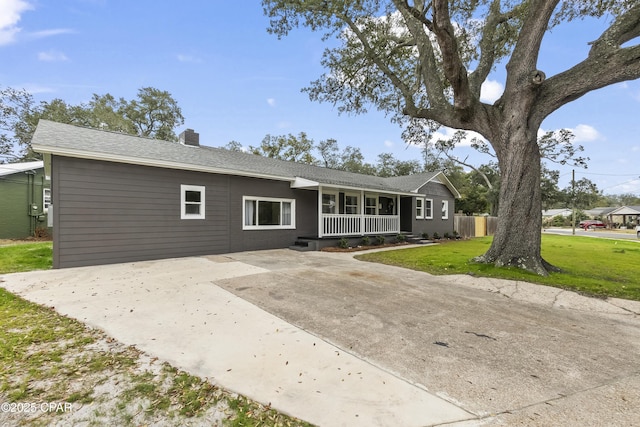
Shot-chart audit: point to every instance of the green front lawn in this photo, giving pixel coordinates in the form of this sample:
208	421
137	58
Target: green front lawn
599	267
21	257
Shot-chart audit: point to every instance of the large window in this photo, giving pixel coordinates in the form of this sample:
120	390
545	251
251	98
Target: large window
262	213
445	209
192	204
428	208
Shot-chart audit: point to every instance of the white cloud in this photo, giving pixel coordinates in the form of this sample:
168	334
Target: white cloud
448	134
491	91
581	133
52	56
34	88
388	143
189	58
271	102
50	33
10	14
284	125
585	133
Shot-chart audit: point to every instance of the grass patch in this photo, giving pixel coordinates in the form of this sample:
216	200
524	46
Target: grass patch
596	267
21	257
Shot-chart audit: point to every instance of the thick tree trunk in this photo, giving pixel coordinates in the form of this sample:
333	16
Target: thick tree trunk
517	239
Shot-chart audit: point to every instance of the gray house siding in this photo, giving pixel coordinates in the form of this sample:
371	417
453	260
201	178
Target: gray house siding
107	212
306	210
436	192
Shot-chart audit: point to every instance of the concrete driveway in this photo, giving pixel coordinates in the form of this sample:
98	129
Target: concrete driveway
335	341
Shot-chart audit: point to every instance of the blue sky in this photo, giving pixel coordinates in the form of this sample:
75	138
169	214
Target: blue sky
234	81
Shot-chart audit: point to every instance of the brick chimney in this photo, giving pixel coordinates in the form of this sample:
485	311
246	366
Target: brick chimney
189	137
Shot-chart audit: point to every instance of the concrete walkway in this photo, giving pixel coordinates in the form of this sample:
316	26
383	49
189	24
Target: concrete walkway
335	341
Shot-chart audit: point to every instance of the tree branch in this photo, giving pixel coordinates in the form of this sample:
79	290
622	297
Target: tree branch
454	70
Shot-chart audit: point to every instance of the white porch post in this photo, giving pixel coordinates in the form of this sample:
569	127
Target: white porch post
320	219
398	212
362	212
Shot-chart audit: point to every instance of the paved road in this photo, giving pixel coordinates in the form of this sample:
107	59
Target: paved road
593	233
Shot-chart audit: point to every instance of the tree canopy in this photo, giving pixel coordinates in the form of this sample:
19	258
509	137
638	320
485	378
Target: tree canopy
424	63
154	114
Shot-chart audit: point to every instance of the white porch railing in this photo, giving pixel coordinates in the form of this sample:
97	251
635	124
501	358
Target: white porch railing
346	225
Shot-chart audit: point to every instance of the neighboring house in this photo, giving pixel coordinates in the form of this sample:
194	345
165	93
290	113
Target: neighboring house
122	198
550	213
24	199
624	215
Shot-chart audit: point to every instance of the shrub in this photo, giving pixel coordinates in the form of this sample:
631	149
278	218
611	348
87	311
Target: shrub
380	240
343	243
425	236
436	236
401	238
366	241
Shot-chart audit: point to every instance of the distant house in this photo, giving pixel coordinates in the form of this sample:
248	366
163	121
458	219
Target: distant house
550	213
624	215
121	198
24	199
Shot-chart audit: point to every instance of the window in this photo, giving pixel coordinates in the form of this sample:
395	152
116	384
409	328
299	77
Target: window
428	208
328	203
268	213
192	204
370	205
46	199
419	208
351	204
445	209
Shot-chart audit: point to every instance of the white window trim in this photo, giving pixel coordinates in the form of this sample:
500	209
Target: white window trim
430	214
419	208
375	207
336	206
46	203
445	209
357	205
258	199
183	202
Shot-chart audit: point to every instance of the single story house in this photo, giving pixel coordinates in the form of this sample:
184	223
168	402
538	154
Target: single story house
550	213
24	200
624	216
120	198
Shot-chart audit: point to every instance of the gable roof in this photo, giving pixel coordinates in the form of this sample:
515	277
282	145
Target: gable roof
11	168
74	141
625	210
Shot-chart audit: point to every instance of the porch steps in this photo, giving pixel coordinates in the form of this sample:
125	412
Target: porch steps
304	245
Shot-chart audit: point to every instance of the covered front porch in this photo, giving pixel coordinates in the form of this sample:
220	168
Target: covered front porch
352	213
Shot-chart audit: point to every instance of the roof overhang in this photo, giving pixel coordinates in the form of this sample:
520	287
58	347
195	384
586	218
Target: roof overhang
80	154
308	184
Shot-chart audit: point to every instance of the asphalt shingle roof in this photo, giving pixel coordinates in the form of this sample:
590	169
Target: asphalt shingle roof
75	141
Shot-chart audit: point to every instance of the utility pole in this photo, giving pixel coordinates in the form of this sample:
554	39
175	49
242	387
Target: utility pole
573	202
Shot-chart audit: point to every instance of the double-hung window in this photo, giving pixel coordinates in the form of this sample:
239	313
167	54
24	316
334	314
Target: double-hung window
370	205
46	199
351	204
419	208
192	202
445	209
266	213
428	208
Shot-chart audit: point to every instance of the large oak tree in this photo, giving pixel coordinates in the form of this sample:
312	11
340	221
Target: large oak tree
425	62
